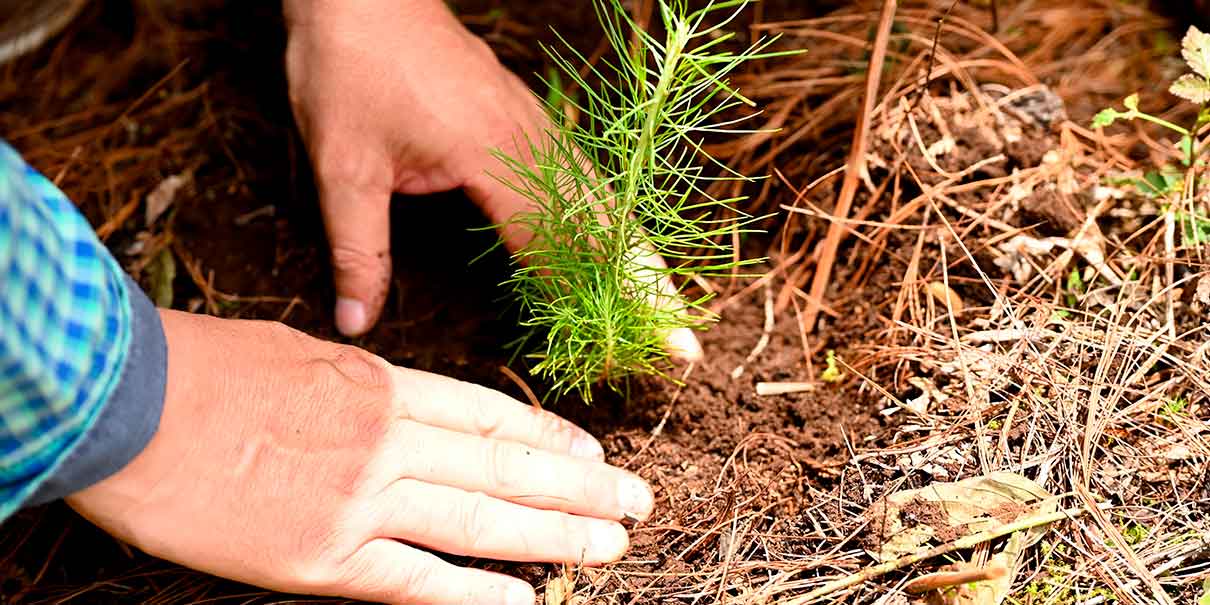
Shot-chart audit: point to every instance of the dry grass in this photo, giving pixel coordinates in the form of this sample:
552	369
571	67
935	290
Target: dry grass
976	198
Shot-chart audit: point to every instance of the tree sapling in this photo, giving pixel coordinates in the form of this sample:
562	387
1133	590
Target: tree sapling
625	185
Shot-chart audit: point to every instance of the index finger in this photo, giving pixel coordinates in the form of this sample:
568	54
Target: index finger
473	409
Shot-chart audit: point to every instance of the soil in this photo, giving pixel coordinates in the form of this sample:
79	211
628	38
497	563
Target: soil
254	227
724	461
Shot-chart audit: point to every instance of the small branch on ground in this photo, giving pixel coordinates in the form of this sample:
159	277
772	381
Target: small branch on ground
856	166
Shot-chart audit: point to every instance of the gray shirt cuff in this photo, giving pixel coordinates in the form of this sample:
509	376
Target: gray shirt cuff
131	416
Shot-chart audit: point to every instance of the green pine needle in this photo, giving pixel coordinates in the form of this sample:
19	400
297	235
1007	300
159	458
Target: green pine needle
630	178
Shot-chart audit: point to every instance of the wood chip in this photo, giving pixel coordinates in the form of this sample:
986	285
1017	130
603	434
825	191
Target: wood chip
161	198
946	296
783	388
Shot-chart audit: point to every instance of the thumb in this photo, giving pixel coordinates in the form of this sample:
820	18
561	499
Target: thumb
681	343
387	571
357	220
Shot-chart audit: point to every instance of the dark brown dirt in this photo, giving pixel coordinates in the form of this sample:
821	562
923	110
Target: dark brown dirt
444	314
924	512
725	463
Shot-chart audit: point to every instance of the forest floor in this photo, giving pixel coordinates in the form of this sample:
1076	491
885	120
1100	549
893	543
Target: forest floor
986	294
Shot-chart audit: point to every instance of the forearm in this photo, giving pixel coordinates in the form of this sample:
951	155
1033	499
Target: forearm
81	349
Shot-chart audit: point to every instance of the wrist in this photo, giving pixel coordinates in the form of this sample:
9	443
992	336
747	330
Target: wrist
131	414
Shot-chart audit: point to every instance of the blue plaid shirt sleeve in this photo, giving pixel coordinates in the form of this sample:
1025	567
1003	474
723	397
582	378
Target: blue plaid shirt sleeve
65	329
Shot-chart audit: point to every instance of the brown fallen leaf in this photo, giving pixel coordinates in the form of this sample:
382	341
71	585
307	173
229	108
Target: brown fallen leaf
944	512
161	198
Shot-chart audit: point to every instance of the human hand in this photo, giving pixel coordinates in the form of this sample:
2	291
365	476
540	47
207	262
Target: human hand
397	96
307	466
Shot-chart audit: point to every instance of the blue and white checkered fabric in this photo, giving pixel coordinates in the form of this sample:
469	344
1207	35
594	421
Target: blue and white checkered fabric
64	328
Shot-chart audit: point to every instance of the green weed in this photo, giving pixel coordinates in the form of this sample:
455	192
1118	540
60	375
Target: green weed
831	372
1075	287
1135	533
1174	407
1195	88
1195	228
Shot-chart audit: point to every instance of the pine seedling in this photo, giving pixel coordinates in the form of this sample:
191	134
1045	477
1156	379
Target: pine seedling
625	183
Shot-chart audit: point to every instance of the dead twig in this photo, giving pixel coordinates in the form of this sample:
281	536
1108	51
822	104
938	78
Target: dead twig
529	393
855	166
960	544
945	579
761	343
783	388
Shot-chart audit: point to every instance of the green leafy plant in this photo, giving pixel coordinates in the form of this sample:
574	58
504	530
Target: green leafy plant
1155	183
1193	87
1109	115
1173	408
1135	533
1075	287
1196	229
1168	181
624	184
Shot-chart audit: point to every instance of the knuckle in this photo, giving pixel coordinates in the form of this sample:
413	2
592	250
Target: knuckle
554	426
344	162
365	575
349	259
398	511
335	162
477	46
276	330
415	582
509	134
491	418
330	162
487	421
596	485
319	575
285	338
355	386
574	538
551	430
350	366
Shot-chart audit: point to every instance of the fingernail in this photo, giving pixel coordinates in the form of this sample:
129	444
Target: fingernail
682	343
518	593
350	316
634	497
606	542
585	446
